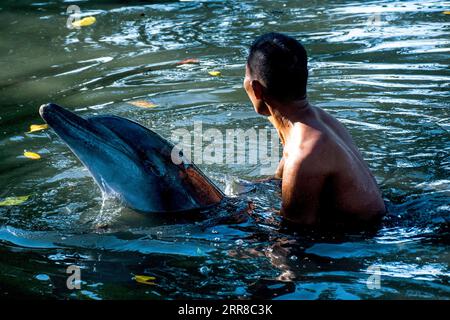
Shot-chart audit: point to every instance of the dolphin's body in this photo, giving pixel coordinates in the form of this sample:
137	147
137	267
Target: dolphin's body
133	162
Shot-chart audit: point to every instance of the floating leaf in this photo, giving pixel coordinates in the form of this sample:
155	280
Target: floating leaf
144	279
143	104
37	127
31	155
189	61
13	201
215	73
87	21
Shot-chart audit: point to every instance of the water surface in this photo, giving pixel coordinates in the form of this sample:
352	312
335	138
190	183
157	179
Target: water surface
381	67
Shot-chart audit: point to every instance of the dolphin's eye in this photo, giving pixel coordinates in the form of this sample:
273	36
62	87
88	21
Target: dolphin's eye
152	168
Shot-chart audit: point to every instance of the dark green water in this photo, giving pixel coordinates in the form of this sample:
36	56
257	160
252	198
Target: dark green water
380	67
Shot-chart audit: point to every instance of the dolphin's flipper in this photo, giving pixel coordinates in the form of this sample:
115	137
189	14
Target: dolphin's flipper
133	162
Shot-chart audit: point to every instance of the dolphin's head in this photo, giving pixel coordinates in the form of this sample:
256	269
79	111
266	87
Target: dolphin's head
132	162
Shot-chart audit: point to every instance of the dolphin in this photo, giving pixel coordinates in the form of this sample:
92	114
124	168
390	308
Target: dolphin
133	163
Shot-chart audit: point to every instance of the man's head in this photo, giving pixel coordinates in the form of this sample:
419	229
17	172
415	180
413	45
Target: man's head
276	69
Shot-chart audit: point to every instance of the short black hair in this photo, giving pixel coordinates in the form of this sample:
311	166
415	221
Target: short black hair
280	63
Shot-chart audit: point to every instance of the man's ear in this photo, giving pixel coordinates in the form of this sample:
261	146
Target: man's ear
258	89
259	104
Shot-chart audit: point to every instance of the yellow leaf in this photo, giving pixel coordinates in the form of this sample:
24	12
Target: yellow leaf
87	21
37	127
144	279
215	73
143	104
189	61
31	155
446	12
13	201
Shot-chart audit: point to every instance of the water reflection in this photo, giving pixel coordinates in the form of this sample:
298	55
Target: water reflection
381	68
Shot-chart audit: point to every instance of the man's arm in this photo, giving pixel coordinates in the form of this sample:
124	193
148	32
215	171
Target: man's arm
303	181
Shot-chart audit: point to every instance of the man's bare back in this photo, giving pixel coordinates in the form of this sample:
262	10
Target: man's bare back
319	148
325	180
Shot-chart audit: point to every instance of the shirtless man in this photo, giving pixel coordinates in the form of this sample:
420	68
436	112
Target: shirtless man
325	180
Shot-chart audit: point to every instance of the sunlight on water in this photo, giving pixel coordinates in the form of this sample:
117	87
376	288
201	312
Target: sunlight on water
380	67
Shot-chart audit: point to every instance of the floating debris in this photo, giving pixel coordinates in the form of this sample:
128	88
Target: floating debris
87	21
14	201
189	61
215	73
37	127
144	279
143	104
32	155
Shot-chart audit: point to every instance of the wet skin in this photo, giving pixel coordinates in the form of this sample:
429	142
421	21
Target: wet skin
325	179
133	163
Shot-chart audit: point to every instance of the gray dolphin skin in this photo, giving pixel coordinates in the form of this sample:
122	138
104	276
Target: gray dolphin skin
132	162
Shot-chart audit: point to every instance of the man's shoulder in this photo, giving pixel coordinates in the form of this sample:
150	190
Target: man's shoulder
319	152
316	143
312	153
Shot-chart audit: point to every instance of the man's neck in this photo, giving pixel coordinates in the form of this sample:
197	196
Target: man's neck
285	115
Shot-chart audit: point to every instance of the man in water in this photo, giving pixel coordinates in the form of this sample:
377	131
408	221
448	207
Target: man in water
325	180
